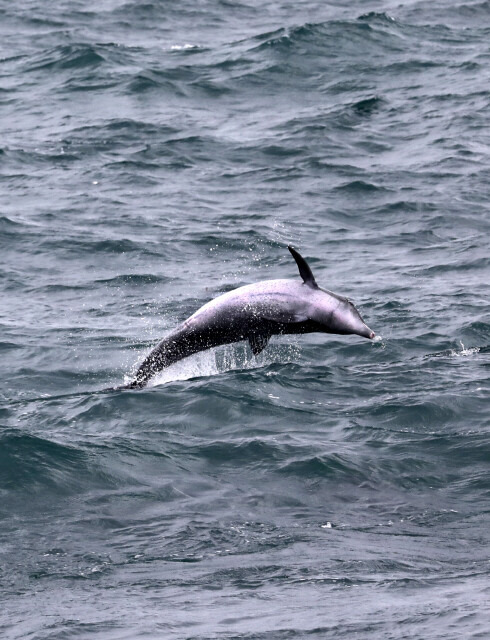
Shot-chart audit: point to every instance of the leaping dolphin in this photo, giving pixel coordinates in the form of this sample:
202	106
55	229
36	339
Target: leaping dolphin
256	312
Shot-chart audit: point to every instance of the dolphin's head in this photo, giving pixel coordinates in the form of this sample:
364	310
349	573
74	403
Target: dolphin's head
337	314
333	313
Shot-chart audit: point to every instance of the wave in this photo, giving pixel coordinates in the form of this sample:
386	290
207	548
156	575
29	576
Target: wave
360	187
135	279
77	55
337	37
216	71
30	464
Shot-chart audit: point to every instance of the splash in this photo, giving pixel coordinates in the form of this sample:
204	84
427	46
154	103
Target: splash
464	351
231	357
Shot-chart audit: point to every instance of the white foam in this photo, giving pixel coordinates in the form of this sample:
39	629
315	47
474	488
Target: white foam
180	47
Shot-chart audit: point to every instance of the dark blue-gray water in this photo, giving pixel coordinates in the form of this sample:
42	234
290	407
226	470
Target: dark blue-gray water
154	155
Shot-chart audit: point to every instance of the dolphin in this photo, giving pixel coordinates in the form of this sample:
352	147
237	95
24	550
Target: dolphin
256	312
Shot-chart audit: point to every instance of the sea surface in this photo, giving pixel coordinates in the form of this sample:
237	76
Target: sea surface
154	155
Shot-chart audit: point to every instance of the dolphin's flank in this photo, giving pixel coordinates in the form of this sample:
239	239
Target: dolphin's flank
256	312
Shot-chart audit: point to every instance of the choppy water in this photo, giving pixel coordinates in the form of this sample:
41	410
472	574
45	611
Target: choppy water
153	155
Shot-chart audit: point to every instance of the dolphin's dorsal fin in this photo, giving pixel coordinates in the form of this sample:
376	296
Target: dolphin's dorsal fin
304	269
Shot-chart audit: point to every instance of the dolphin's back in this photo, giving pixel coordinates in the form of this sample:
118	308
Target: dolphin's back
275	300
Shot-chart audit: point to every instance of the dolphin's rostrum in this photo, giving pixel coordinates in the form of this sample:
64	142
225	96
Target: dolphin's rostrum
256	312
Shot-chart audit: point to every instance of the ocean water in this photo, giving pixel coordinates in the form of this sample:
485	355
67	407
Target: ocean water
154	155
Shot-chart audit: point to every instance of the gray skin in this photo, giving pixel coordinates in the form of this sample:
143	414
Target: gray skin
256	312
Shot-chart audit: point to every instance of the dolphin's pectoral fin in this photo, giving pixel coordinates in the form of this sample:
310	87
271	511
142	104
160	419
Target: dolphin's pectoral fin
304	269
258	342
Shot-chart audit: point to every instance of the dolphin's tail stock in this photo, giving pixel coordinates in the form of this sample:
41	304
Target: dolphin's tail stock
134	384
170	350
152	364
139	382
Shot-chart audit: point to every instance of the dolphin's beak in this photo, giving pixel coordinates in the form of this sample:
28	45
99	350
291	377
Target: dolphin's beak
366	332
